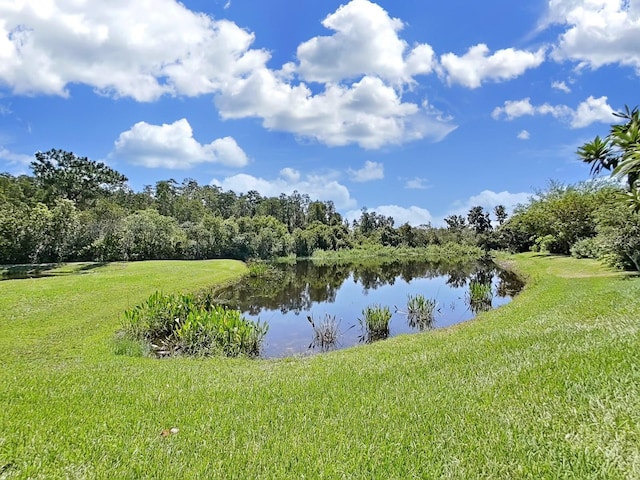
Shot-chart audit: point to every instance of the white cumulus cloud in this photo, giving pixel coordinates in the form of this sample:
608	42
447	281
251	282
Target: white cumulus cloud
365	42
318	187
524	135
368	112
590	111
173	146
150	48
142	49
598	32
477	65
414	216
370	171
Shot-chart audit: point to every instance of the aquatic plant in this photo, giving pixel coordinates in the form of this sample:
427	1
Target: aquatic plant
479	296
421	311
174	324
375	322
325	332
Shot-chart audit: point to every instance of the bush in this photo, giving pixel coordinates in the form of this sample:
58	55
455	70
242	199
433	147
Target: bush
586	248
174	324
548	244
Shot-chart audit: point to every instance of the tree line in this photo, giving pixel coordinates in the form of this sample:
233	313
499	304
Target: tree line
75	209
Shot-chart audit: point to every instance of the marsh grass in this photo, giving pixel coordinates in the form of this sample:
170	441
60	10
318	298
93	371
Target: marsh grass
326	332
454	253
375	322
421	311
479	296
184	324
262	269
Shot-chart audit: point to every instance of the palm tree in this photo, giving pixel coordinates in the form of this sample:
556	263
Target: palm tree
618	152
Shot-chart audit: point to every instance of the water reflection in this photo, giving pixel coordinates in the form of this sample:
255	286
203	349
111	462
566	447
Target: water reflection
336	294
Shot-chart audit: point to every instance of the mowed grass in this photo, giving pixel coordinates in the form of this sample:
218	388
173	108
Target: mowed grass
545	387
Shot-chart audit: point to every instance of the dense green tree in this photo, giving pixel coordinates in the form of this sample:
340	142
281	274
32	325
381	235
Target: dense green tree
148	235
501	214
479	220
64	175
456	222
557	218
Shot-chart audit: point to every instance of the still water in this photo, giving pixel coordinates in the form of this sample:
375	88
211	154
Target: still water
286	300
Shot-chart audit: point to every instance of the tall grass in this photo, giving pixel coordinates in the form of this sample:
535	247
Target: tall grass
479	297
421	311
448	253
178	324
326	332
375	322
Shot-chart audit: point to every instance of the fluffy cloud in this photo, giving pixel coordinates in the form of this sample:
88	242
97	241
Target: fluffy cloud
318	187
514	109
414	216
141	49
590	111
477	66
173	146
599	32
370	171
489	199
368	112
150	48
416	184
15	158
524	135
365	42
562	86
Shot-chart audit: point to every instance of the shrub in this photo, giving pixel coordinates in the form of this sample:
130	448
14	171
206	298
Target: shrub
172	324
586	248
548	244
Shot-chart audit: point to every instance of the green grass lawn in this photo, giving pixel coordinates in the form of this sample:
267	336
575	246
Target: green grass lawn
545	387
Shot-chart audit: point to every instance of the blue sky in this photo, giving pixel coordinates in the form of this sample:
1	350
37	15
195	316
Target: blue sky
414	109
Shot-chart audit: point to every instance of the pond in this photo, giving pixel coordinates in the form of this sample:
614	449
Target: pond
336	294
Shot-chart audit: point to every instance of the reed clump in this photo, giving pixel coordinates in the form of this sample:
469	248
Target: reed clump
375	322
184	324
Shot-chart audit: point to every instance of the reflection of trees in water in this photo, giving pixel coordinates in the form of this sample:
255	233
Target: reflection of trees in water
301	285
509	284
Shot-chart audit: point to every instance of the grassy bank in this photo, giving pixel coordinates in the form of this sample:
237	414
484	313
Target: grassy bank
545	387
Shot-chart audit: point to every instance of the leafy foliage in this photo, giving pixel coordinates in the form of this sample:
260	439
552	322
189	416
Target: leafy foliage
63	174
618	152
180	324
